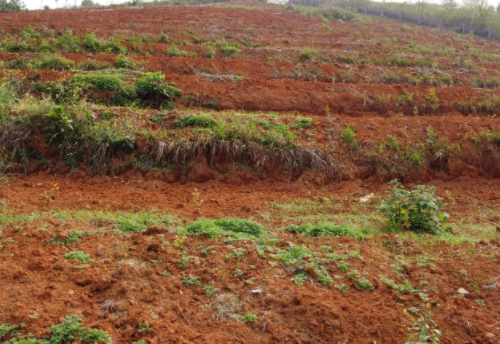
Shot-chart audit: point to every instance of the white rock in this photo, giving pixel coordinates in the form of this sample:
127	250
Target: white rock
366	198
464	292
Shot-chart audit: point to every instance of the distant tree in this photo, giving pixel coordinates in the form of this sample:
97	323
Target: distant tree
498	8
479	11
449	5
7	6
421	5
87	3
46	7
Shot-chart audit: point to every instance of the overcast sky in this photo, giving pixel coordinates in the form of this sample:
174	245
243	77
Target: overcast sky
37	4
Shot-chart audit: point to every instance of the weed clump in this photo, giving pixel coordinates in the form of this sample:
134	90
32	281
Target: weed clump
78	255
324	229
201	121
417	210
215	228
293	254
53	62
69	331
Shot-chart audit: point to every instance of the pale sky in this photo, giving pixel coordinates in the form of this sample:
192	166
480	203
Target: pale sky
38	4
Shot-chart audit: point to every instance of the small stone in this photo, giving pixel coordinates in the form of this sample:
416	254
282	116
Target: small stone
464	292
336	325
256	291
490	338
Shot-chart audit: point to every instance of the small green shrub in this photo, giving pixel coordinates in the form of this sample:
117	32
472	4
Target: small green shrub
210	53
215	228
210	290
53	62
343	266
108	114
71	238
249	317
28	32
293	254
363	283
303	123
45	47
124	62
92	65
348	134
191	281
113	46
229	50
78	255
175	51
145	328
19	63
152	86
417	210
324	229
201	121
307	54
91	43
300	278
103	82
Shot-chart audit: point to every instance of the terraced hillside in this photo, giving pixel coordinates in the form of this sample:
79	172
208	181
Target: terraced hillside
218	174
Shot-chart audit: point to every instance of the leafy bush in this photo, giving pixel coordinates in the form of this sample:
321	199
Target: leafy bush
69	331
78	255
229	50
191	281
18	46
417	210
71	238
249	318
103	82
108	114
92	65
324	229
68	42
152	86
123	94
175	51
124	62
293	254
215	228
303	123
210	290
91	43
53	62
348	134
19	62
28	32
210	53
114	46
202	121
45	47
363	283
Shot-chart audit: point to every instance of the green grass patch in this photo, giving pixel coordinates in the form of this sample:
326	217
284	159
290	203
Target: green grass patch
216	228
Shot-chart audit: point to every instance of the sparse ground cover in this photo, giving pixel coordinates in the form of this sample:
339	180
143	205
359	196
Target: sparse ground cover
168	179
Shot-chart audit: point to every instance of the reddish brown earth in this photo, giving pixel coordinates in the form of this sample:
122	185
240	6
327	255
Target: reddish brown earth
39	281
124	285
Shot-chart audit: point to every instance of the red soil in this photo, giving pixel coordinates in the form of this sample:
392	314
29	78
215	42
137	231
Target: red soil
36	279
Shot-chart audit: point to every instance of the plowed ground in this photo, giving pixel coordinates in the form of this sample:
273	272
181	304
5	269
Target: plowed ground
140	278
